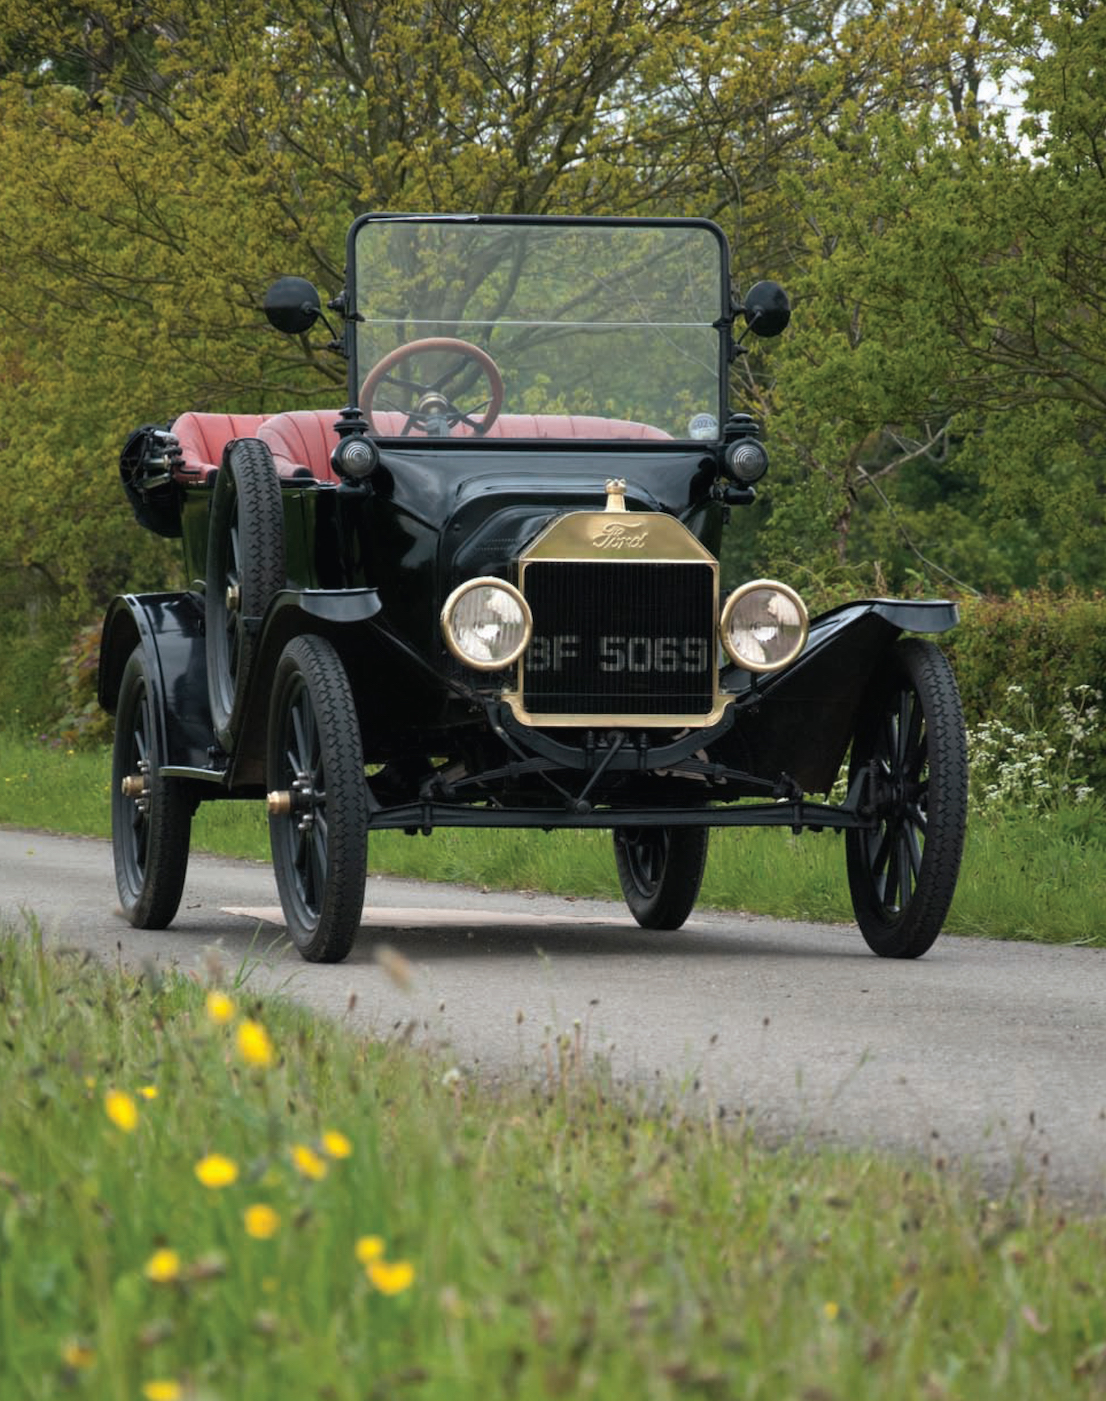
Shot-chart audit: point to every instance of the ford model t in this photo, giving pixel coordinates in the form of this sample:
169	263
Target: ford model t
486	593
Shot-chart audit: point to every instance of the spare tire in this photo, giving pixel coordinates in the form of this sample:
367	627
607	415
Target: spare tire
245	568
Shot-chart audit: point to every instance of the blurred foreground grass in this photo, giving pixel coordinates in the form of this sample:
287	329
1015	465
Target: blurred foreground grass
1028	877
207	1197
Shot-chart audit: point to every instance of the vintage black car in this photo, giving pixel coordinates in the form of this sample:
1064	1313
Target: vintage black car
486	593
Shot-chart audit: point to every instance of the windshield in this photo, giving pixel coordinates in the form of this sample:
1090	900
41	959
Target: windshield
544	329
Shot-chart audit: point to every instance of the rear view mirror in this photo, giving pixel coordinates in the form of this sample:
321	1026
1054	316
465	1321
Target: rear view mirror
767	310
292	305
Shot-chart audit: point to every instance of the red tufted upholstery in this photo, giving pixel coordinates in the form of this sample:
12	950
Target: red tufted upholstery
203	436
302	438
305	438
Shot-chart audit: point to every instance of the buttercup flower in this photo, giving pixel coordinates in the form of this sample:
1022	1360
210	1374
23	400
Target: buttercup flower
163	1266
369	1248
830	1310
216	1171
261	1221
391	1278
162	1389
254	1045
77	1354
308	1162
148	1091
336	1145
220	1008
121	1110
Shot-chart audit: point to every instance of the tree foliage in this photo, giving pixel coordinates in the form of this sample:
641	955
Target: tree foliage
165	161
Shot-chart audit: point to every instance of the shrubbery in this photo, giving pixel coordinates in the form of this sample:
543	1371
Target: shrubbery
1028	656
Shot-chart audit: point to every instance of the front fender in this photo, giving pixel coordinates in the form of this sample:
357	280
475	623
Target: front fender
800	720
169	629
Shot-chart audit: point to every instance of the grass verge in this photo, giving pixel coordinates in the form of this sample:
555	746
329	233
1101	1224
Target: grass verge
1022	878
206	1201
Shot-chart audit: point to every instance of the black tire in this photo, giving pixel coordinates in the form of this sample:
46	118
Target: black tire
902	875
151	822
660	870
319	832
245	568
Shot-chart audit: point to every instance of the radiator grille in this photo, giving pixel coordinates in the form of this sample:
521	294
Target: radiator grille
620	638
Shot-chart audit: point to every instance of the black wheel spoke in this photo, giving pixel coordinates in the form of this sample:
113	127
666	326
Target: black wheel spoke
910	738
318	831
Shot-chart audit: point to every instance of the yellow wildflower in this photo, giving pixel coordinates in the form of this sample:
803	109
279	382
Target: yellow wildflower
254	1045
163	1266
216	1171
308	1162
261	1221
77	1354
121	1110
162	1389
336	1145
219	1006
148	1091
830	1310
391	1278
369	1248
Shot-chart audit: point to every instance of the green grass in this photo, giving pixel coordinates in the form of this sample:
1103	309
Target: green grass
564	1240
1023	877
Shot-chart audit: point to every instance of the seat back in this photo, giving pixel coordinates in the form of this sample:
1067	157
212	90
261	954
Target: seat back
302	440
203	436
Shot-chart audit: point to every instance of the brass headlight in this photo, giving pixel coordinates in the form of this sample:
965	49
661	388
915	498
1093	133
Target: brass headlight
764	625
486	624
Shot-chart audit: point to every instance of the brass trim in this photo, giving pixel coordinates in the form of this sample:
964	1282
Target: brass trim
724	624
601	720
279	803
616	494
454	598
593	537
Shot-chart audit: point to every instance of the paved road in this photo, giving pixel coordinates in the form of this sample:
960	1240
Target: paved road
989	1053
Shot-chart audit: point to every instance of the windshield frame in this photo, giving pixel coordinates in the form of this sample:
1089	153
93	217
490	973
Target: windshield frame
721	322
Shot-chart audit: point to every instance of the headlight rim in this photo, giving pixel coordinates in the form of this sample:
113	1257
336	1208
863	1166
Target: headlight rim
485	581
760	668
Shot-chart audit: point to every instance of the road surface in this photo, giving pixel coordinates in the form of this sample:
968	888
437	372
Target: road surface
982	1053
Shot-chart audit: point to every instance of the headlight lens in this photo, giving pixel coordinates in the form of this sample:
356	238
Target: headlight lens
764	625
486	624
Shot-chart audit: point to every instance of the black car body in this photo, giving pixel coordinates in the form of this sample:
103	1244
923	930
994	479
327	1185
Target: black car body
487	593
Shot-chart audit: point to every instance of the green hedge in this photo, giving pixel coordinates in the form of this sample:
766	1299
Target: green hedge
1046	643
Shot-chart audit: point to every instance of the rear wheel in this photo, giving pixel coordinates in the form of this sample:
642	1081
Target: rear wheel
151	816
660	870
318	804
910	738
245	568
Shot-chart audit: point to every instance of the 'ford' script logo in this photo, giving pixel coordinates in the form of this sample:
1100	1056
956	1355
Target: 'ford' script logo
618	537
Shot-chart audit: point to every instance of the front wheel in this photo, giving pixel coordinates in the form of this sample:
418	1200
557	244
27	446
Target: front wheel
151	816
660	870
910	741
318	802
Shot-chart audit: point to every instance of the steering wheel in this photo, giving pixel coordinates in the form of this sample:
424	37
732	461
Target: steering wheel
434	412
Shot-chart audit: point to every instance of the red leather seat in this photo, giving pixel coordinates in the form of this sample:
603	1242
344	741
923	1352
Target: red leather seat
304	438
203	436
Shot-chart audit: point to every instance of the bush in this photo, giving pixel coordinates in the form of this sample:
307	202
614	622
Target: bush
1033	651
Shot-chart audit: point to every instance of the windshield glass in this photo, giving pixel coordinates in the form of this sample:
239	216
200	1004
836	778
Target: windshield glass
545	329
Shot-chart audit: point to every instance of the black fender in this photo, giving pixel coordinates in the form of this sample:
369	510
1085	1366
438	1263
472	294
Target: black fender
799	721
336	614
169	627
